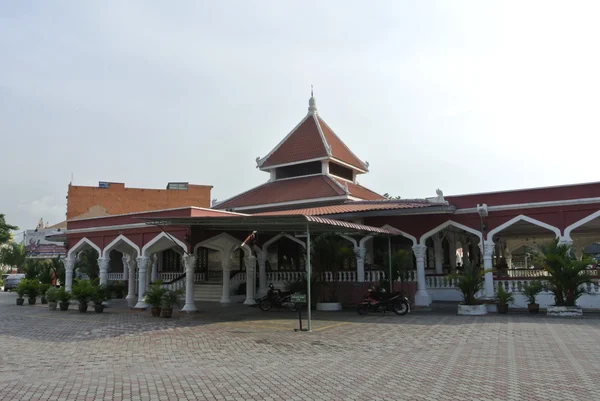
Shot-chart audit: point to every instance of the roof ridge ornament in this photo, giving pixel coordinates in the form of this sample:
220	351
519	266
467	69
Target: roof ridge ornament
312	103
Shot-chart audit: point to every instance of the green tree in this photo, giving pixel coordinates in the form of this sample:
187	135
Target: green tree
57	268
13	255
329	254
87	263
568	278
5	230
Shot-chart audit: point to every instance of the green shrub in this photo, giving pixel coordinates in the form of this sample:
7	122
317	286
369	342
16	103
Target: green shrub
100	295
62	295
52	294
171	297
504	297
155	294
83	291
21	288
532	289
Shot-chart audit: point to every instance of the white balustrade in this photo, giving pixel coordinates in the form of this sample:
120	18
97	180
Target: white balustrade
199	277
115	276
167	276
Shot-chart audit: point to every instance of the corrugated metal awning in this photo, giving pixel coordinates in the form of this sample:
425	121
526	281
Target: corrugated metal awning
295	223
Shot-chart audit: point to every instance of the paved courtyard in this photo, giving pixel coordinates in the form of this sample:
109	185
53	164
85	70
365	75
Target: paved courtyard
239	353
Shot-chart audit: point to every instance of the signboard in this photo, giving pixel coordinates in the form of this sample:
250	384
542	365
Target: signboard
37	246
298	298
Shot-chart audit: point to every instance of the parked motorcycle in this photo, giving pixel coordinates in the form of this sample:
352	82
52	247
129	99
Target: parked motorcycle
278	299
381	301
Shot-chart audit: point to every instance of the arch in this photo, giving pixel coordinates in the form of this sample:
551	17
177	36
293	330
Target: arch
447	224
115	243
278	237
404	233
352	240
163	236
81	245
579	223
522	217
364	239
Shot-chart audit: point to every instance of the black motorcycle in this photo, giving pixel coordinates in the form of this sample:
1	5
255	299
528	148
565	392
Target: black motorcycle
382	301
278	299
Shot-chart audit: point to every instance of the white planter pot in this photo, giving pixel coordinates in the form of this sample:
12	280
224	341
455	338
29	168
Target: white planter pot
472	310
329	306
564	311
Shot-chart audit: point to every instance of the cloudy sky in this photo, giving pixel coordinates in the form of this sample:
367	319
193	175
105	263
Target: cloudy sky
464	96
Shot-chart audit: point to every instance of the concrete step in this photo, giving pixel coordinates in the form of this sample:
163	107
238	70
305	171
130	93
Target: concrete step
208	292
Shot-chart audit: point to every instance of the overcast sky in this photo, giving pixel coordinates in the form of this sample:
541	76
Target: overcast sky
463	96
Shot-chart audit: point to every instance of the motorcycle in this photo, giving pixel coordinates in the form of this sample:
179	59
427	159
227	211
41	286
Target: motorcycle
381	301
278	299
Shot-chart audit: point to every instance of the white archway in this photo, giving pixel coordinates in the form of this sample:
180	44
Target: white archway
448	224
278	237
404	233
81	245
117	244
579	223
161	242
522	217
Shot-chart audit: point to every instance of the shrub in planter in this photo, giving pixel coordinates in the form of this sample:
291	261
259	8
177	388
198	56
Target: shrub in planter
63	298
43	288
32	290
21	290
504	298
154	297
470	282
531	291
83	292
100	295
117	289
51	296
170	298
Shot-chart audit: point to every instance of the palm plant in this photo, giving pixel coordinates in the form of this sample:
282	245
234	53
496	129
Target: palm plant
13	255
87	263
532	290
57	269
567	275
470	282
401	266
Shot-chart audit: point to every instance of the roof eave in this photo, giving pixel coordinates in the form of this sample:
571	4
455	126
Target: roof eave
394	212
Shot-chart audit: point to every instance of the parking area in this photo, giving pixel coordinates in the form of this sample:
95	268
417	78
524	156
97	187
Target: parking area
240	353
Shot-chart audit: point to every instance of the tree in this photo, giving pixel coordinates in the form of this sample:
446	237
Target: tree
328	256
5	230
87	263
568	277
13	255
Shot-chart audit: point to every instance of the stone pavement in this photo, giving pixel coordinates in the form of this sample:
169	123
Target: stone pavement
240	353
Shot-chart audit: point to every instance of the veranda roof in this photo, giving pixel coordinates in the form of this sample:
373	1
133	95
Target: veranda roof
295	223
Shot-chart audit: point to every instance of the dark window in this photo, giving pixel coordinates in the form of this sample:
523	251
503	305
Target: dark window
340	171
298	170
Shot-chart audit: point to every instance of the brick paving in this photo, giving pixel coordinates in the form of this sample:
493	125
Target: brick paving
239	353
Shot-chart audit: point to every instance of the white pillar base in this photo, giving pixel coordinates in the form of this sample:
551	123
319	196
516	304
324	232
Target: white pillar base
249	301
141	305
189	308
131	300
225	300
422	298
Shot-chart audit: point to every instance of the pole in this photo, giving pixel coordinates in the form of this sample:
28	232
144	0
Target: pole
390	264
308	270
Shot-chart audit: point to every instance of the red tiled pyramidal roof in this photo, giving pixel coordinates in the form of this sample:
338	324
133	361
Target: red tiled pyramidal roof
298	189
311	139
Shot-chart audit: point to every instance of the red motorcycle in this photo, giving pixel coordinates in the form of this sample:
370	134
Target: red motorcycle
381	301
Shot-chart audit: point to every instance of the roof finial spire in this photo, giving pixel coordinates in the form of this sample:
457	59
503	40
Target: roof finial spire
312	104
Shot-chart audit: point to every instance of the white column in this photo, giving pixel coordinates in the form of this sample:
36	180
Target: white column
131	300
125	268
69	266
360	263
190	264
225	299
250	262
154	275
103	265
142	263
422	298
476	252
439	255
262	272
488	287
465	249
452	253
508	257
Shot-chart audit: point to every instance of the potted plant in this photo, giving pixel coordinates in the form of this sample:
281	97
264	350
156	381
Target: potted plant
21	290
43	288
99	296
170	298
504	298
567	277
83	291
63	298
33	290
531	291
154	297
51	296
118	289
470	282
